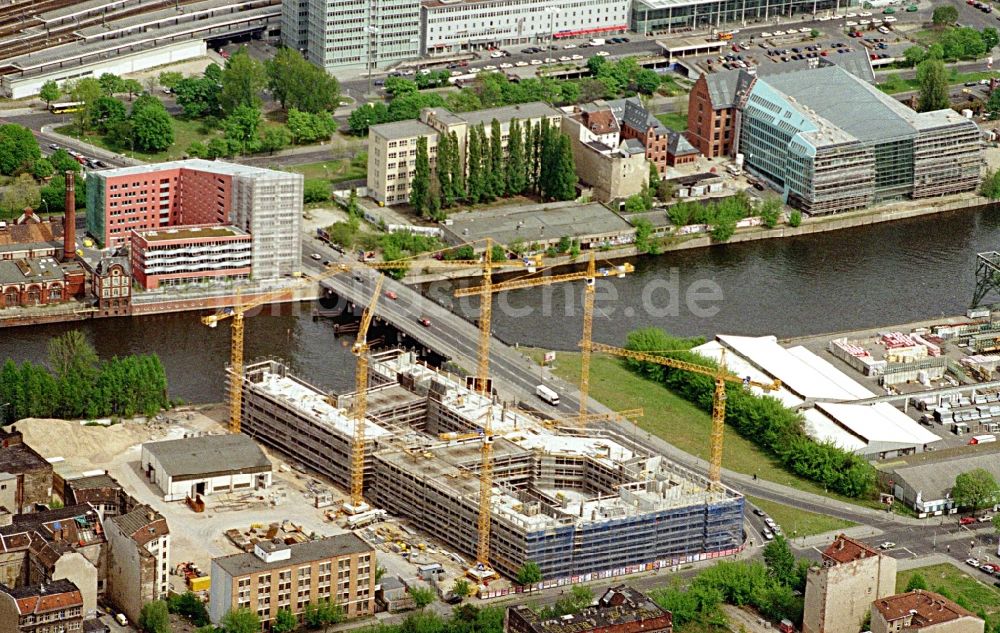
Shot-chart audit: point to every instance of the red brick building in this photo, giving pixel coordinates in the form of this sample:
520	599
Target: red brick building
664	147
712	111
620	610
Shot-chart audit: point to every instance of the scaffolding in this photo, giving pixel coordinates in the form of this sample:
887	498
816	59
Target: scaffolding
987	276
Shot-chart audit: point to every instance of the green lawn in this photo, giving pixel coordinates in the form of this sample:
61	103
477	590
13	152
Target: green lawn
897	85
675	419
674	120
796	522
333	170
955	583
185	133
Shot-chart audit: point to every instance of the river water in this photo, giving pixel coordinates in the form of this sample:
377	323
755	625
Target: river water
843	280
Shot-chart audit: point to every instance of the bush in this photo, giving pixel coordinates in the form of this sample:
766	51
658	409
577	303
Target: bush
315	190
795	218
761	419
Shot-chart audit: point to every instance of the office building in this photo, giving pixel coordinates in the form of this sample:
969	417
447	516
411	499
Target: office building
574	504
277	576
450	26
620	610
392	147
658	17
352	36
138	559
829	155
922	611
150	199
839	592
205	465
55	607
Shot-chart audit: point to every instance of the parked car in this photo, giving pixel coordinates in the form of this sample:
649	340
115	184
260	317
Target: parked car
972	562
887	545
986	518
967	520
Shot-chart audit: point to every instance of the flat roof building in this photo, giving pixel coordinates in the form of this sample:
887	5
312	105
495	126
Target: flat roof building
924	481
205	465
277	576
658	17
196	198
924	612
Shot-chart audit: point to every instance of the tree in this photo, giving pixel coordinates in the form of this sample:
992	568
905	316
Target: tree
975	489
152	128
498	180
914	55
111	84
395	86
916	581
243	79
365	116
446	155
933	81
474	181
49	92
647	81
86	91
770	211
296	83
307	127
240	621
241	126
107	112
515	159
284	622
420	185
315	190
18	149
20	194
664	190
132	87
188	605
422	596
154	617
199	96
169	79
990	38
60	159
457	175
529	573
273	139
42	169
564	178
795	219
461	587
780	561
944	15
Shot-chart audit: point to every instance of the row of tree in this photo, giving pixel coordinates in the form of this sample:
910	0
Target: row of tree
763	420
955	43
537	159
79	385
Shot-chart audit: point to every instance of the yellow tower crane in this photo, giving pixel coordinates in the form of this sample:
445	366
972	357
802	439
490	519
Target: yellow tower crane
721	376
360	350
590	276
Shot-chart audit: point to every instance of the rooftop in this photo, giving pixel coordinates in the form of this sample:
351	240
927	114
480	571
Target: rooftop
320	549
409	128
533	222
16	236
522	111
844	549
18	457
619	606
932	475
142	524
16	271
922	608
44	598
879	423
190	233
200	456
214	166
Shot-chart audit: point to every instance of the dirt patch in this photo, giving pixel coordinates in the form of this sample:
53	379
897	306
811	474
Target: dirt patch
78	444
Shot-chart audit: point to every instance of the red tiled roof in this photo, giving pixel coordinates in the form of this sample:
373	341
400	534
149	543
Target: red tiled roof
56	596
31	233
844	549
926	608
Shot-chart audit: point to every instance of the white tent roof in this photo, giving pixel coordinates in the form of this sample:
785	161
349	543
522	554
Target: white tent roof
880	422
739	366
803	373
822	429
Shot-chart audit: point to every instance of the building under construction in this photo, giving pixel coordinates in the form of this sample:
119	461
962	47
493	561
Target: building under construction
575	501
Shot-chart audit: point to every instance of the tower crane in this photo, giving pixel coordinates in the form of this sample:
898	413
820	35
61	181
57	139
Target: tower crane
721	376
360	350
590	276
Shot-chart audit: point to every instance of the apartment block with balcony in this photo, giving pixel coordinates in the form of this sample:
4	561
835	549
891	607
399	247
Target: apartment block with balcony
277	576
190	254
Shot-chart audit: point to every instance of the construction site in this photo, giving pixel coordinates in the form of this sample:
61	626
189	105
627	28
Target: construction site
573	500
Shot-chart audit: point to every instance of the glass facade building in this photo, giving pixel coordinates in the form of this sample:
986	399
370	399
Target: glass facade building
650	17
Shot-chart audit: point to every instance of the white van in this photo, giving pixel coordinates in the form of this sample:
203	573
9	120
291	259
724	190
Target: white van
547	395
121	619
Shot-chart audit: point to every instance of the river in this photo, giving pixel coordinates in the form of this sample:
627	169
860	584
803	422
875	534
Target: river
878	275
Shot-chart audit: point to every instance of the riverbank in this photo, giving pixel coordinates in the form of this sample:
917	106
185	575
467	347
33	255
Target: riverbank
886	213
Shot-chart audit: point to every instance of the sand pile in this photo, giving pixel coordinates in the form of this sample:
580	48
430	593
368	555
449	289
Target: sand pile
96	445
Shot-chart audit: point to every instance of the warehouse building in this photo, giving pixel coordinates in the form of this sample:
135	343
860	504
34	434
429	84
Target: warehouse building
830	155
205	465
559	498
924	481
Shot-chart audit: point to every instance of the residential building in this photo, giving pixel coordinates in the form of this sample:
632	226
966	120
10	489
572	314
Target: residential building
28	476
655	17
621	609
924	612
277	576
392	147
55	607
65	543
263	203
138	559
205	465
664	147
101	491
602	160
448	26
112	284
830	155
840	591
190	254
352	36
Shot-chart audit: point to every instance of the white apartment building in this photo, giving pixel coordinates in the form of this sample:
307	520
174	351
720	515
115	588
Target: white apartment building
449	26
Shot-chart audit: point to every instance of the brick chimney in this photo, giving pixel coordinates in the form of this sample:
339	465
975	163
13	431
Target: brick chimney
69	220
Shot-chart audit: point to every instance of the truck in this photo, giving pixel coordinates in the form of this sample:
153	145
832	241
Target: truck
597	41
547	395
982	439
